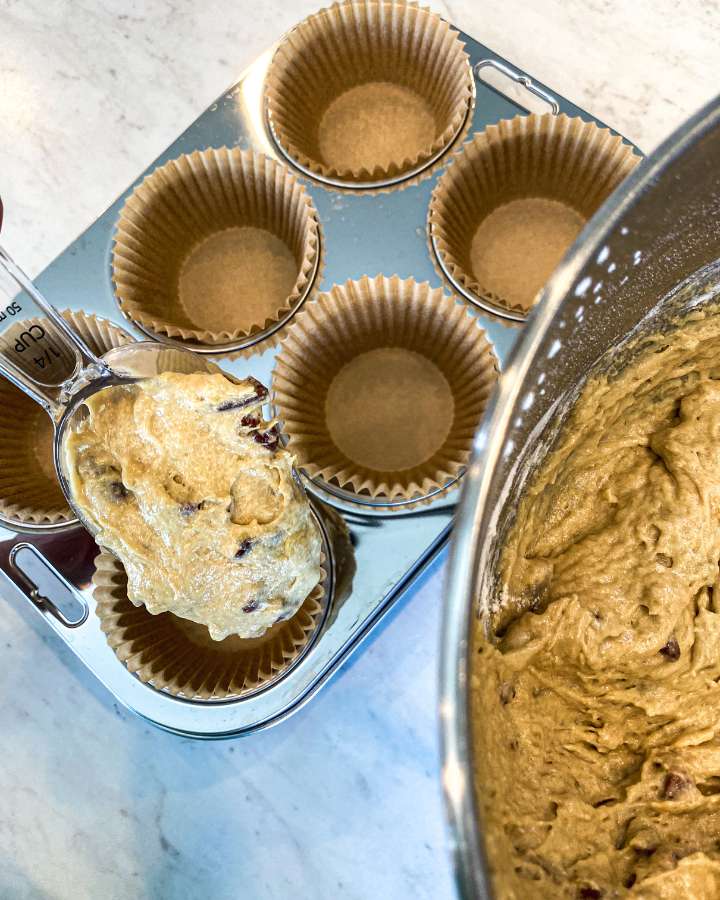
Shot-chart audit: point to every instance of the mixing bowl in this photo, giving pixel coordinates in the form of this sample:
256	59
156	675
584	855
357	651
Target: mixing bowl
648	254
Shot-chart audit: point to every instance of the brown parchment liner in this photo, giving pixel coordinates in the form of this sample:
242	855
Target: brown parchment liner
179	656
182	204
359	42
536	156
368	314
30	493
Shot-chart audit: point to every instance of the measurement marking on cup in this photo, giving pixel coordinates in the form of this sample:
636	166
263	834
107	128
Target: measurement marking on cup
11	310
41	360
32	336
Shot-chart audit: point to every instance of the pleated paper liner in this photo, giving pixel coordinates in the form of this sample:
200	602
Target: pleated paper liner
179	657
215	247
380	385
343	556
30	495
515	198
366	92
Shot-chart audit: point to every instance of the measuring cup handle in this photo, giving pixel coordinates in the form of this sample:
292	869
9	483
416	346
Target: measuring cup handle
31	303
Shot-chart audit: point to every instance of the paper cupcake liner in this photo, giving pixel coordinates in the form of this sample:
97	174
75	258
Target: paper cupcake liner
179	657
368	90
343	556
380	385
215	246
30	493
274	340
515	197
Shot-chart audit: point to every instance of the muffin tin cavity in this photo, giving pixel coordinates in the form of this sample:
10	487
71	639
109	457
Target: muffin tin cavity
380	385
367	94
179	657
514	199
216	249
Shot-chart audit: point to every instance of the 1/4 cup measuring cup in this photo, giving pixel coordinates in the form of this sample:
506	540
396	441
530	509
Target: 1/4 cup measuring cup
43	356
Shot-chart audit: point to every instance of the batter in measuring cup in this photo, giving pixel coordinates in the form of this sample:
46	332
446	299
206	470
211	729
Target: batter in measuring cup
188	486
597	711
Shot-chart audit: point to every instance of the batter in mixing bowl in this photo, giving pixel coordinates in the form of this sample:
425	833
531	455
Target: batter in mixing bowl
597	709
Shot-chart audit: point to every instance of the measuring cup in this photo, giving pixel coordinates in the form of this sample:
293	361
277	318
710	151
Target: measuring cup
35	341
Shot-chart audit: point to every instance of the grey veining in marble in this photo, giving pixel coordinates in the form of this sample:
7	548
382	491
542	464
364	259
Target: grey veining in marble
343	800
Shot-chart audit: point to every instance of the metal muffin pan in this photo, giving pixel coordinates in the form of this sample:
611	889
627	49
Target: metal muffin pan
362	233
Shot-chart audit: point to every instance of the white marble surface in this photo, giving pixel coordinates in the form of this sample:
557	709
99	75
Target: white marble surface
342	801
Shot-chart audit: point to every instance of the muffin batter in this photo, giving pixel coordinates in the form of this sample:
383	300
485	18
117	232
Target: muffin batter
597	711
189	488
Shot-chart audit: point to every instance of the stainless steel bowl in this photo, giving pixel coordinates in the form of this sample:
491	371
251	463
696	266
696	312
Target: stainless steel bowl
657	231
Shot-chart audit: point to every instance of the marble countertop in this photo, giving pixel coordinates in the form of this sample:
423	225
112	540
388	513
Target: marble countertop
343	799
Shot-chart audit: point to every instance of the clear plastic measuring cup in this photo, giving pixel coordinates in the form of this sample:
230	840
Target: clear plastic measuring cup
43	356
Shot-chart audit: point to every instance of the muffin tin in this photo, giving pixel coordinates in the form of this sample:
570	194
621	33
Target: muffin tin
378	543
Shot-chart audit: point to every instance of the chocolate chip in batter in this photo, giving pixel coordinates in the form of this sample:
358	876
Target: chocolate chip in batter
250	421
268	439
260	389
671	650
590	893
250	607
507	693
675	784
118	491
536	597
228	405
244	547
187	509
710	787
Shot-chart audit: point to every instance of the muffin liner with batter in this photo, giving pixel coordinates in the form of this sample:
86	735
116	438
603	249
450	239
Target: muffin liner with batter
380	385
179	657
368	91
514	199
214	247
30	494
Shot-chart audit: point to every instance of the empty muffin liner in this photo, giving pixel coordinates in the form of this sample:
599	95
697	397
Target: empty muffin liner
380	385
367	92
215	247
513	200
30	494
179	657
